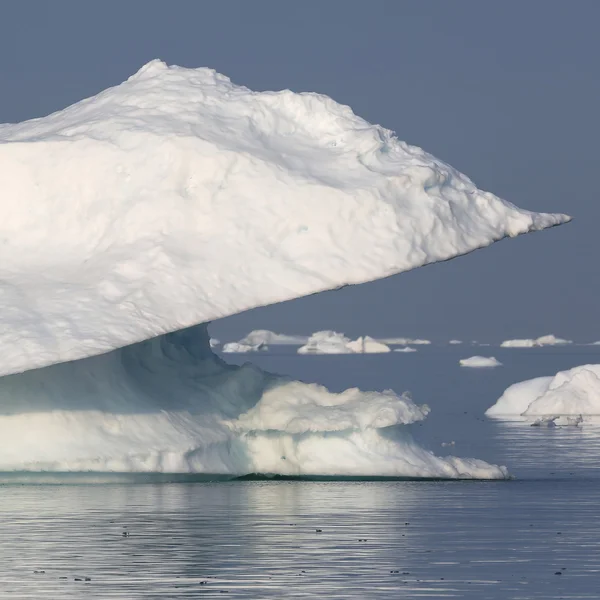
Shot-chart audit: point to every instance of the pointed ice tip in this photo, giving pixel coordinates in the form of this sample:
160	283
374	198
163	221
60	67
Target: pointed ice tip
149	69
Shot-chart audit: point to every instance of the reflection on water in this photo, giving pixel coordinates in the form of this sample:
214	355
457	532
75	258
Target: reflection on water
262	540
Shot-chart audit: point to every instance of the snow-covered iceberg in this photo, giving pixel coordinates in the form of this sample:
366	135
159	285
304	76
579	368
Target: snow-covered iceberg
177	198
332	342
573	392
545	340
480	362
270	338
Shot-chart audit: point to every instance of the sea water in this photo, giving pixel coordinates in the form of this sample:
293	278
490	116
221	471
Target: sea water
536	536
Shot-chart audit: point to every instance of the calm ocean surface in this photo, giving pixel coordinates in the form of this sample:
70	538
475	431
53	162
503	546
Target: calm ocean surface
537	536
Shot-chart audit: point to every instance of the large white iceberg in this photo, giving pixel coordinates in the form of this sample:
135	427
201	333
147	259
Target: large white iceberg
177	198
545	340
572	392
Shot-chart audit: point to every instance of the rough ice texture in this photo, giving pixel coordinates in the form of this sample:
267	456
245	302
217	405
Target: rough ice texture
170	405
479	362
545	340
270	338
572	392
178	197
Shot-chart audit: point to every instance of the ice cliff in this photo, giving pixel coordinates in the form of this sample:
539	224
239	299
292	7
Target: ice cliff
177	198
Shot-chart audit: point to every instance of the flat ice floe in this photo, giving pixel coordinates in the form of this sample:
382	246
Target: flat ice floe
573	392
480	362
177	198
545	340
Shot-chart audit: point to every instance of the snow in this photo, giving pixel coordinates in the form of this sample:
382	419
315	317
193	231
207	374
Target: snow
239	348
178	197
478	362
270	338
170	405
545	340
573	392
332	342
133	218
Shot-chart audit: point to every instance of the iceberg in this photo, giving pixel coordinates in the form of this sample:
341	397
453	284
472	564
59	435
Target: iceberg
170	405
270	338
545	340
479	362
568	393
133	218
367	345
326	342
400	341
455	342
239	348
332	342
405	349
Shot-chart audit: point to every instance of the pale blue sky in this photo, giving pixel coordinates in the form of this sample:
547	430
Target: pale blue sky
508	92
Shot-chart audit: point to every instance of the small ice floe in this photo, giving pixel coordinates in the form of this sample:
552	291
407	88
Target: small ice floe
445	444
559	421
480	362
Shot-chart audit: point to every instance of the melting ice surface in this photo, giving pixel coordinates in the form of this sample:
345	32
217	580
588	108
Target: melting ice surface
177	198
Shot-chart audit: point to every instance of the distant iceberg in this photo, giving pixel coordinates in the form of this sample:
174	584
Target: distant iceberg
405	349
270	338
402	341
133	218
239	348
332	342
455	342
572	392
367	345
545	340
478	362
